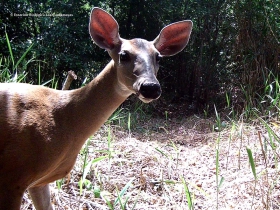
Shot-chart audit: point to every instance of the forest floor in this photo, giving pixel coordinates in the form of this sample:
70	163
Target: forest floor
148	166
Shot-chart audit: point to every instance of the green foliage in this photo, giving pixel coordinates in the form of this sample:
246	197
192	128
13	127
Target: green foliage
123	205
62	42
10	69
130	117
233	50
116	117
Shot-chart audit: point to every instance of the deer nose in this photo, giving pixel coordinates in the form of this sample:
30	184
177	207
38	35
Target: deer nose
150	90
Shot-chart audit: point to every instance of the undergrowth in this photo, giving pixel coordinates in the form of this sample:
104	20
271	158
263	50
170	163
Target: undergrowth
113	173
13	67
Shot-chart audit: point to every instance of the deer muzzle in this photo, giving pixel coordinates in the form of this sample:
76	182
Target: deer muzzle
150	90
147	90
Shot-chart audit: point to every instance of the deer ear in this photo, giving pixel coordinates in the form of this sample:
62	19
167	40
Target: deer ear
104	29
173	38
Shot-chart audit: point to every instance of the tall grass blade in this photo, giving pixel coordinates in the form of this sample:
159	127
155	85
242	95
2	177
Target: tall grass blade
122	192
133	207
161	152
108	202
45	83
86	171
227	100
10	48
39	75
116	116
188	194
221	182
270	132
23	56
129	123
252	163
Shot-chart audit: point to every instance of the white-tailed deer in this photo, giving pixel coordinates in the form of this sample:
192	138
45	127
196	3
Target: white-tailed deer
42	130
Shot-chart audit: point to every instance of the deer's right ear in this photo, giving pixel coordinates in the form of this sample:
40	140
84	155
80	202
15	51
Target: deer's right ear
104	29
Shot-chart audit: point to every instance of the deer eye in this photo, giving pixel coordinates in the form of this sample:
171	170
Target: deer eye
158	57
124	56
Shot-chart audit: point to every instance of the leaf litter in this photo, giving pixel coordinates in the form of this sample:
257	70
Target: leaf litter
156	157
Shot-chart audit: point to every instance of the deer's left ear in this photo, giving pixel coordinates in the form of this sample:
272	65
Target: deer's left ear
173	38
104	29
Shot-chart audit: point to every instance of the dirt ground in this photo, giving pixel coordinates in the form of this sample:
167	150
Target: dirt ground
150	163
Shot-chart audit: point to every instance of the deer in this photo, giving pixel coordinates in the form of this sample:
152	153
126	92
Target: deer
42	130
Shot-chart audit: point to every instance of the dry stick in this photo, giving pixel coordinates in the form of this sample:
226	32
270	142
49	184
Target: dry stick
240	146
260	139
70	77
266	202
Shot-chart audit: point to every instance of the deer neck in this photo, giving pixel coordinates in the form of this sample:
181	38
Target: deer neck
92	105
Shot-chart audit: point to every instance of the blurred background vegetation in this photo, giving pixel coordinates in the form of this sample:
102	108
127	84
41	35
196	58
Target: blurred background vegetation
232	59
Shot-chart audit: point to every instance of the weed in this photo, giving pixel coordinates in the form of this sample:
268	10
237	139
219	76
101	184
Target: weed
188	194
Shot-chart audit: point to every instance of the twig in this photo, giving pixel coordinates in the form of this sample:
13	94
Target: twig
70	77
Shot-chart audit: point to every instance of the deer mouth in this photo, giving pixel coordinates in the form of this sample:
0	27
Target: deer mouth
145	100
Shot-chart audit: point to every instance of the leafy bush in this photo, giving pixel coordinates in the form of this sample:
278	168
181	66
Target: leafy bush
233	50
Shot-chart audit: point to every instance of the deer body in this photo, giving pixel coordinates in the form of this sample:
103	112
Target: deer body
42	130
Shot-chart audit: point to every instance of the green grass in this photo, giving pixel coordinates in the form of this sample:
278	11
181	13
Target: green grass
12	70
13	67
188	194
